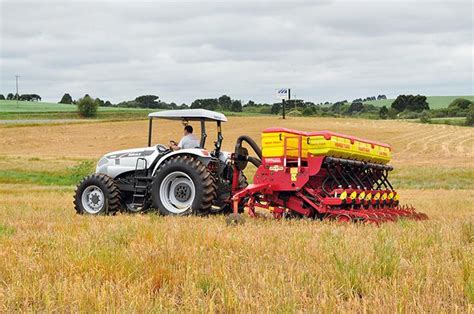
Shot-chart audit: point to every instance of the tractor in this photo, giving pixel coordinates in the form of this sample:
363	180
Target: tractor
186	181
319	175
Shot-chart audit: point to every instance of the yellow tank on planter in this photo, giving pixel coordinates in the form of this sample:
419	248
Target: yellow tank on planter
322	143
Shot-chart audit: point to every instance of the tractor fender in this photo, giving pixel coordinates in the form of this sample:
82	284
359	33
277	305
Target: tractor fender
201	154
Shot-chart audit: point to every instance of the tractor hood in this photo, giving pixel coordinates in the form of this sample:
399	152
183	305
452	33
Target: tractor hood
131	153
118	162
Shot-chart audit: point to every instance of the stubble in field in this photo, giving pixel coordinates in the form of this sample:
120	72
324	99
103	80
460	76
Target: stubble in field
52	259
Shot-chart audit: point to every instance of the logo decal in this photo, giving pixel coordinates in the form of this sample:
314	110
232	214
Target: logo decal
276	168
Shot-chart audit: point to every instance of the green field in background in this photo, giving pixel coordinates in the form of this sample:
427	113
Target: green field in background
11	106
435	102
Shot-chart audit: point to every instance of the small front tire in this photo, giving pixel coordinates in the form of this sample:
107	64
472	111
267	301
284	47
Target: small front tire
97	194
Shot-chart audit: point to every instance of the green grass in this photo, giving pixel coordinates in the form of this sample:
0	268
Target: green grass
460	121
435	102
67	177
6	231
101	115
432	177
30	106
27	110
10	106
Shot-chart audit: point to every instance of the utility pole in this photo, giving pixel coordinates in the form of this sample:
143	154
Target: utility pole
283	112
17	95
284	95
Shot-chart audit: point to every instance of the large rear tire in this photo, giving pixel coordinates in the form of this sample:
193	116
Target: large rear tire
182	186
97	194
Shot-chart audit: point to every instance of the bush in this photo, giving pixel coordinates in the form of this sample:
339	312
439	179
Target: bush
87	107
236	106
425	117
409	115
470	116
355	107
294	113
392	113
276	107
459	107
264	109
383	112
460	103
439	113
99	102
129	104
308	111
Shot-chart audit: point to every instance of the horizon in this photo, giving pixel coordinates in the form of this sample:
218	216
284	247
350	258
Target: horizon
244	103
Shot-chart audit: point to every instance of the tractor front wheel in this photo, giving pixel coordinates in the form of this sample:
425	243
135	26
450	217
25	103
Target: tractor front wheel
183	185
97	194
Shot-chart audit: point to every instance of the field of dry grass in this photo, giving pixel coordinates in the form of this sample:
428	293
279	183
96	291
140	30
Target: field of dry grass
52	259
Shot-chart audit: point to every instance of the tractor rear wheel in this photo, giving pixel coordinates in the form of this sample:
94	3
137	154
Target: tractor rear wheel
97	194
182	186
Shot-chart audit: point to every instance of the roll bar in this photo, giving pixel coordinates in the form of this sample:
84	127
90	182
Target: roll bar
202	142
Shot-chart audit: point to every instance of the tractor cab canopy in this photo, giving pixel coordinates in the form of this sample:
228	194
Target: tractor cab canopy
186	115
189	114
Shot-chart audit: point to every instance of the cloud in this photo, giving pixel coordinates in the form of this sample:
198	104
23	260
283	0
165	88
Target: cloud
327	50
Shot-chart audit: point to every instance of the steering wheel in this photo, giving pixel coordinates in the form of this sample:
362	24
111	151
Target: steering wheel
162	148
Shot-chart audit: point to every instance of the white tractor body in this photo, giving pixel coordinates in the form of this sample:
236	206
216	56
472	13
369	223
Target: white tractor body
119	162
180	182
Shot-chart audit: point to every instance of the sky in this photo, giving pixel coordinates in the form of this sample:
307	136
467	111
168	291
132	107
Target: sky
185	50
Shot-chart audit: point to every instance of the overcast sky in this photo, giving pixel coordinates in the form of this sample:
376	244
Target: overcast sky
323	50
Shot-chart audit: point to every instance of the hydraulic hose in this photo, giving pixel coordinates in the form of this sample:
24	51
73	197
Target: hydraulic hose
251	142
255	161
241	154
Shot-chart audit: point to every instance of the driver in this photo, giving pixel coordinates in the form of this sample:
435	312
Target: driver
187	141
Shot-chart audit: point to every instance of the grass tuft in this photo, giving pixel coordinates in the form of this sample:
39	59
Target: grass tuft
468	277
349	272
79	171
467	232
6	231
386	254
207	285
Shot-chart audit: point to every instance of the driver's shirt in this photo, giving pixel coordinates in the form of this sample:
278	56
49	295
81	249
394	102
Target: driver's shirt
188	141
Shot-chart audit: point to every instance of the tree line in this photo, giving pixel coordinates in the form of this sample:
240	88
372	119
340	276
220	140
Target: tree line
358	107
404	106
23	97
223	103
